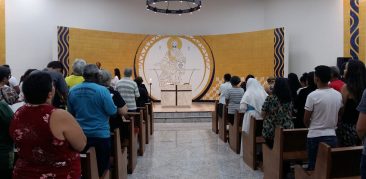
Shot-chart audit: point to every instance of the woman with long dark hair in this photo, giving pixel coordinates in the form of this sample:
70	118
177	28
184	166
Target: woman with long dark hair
277	110
355	77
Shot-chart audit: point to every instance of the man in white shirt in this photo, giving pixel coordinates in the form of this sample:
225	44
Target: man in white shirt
223	88
321	114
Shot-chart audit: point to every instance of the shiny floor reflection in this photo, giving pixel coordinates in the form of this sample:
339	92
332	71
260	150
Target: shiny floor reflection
190	150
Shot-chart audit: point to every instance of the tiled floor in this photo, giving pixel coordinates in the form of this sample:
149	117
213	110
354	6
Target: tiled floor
190	150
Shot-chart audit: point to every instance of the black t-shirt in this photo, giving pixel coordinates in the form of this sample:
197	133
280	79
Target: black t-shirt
144	96
300	104
115	120
117	98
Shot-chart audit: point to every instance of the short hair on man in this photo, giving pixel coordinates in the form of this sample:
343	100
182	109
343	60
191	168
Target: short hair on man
36	87
91	73
227	77
335	73
78	67
55	65
235	80
323	73
4	72
104	77
128	72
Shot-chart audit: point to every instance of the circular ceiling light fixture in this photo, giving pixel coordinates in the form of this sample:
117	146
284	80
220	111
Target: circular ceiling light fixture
174	6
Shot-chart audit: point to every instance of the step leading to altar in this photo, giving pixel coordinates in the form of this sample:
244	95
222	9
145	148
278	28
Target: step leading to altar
198	112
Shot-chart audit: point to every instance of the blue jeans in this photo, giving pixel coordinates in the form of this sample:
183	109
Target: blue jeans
363	167
102	150
313	144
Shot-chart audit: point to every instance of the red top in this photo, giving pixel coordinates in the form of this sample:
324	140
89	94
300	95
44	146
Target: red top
336	84
41	155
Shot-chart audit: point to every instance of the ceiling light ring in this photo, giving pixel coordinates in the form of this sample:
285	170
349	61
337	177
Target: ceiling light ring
197	6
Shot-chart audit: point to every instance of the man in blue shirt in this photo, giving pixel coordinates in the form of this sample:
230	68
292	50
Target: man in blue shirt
92	105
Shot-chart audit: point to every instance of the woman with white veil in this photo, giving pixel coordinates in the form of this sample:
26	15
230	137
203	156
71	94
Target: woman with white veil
252	102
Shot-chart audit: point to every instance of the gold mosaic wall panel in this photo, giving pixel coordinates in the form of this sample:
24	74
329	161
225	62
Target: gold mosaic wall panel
259	53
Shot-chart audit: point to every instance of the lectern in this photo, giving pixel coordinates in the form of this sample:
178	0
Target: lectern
176	95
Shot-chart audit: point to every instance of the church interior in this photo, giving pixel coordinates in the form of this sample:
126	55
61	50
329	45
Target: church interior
183	89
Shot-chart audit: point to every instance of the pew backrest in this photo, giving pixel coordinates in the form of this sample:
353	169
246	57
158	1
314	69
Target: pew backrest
293	143
334	163
89	165
250	141
289	144
120	161
343	162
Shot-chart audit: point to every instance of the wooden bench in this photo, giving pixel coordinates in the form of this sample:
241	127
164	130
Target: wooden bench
250	141
150	111
147	122
140	122
120	157
89	166
215	121
289	145
132	145
341	162
235	132
223	121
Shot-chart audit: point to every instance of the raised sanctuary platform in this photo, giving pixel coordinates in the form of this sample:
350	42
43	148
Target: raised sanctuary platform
198	112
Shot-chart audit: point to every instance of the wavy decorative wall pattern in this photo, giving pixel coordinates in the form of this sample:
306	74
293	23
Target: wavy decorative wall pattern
279	54
355	29
63	47
354	41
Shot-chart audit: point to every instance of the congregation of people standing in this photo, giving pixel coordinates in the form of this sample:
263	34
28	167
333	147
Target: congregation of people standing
48	139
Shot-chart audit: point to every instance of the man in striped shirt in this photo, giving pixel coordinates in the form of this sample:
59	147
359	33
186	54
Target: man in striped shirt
128	90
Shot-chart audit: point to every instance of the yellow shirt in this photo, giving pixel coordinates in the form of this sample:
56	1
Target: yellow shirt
73	80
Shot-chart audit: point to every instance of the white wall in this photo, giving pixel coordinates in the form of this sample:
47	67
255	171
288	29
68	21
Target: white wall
314	29
31	25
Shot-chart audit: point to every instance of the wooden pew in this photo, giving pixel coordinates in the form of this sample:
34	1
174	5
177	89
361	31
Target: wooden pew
150	107
132	145
235	132
223	123
139	121
250	141
215	121
289	145
341	162
120	157
89	166
147	122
